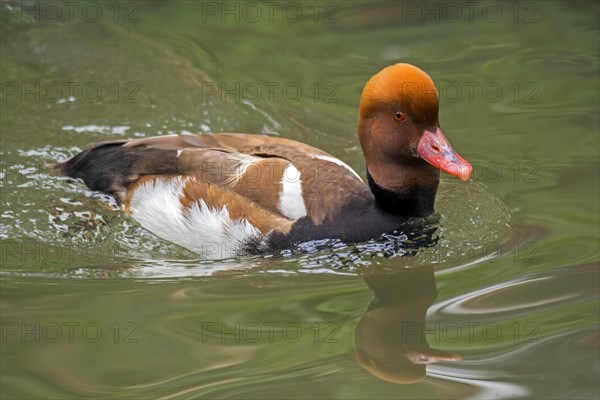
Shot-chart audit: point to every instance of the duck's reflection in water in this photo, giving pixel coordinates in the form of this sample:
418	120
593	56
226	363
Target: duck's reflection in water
390	338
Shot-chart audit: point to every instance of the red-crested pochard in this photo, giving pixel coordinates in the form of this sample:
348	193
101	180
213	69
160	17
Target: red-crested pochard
222	195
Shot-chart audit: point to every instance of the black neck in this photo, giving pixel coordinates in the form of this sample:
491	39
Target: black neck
417	202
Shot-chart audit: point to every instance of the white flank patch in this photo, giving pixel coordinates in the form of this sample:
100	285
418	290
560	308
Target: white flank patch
205	230
340	163
291	202
179	152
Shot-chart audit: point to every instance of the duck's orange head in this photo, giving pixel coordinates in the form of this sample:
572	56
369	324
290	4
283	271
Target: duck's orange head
400	134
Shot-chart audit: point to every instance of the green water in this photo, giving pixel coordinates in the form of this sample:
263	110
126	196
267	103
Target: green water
94	306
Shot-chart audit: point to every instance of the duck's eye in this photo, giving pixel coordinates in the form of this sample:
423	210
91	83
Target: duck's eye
398	116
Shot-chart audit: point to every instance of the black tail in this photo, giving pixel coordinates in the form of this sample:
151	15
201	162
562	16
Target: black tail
109	167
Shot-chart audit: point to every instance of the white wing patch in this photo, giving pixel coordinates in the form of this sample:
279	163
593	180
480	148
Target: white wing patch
291	202
338	162
205	230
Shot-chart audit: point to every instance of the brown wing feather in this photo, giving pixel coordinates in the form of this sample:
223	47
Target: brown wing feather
215	165
231	142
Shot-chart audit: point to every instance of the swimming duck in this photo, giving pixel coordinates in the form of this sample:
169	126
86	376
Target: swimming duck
227	194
